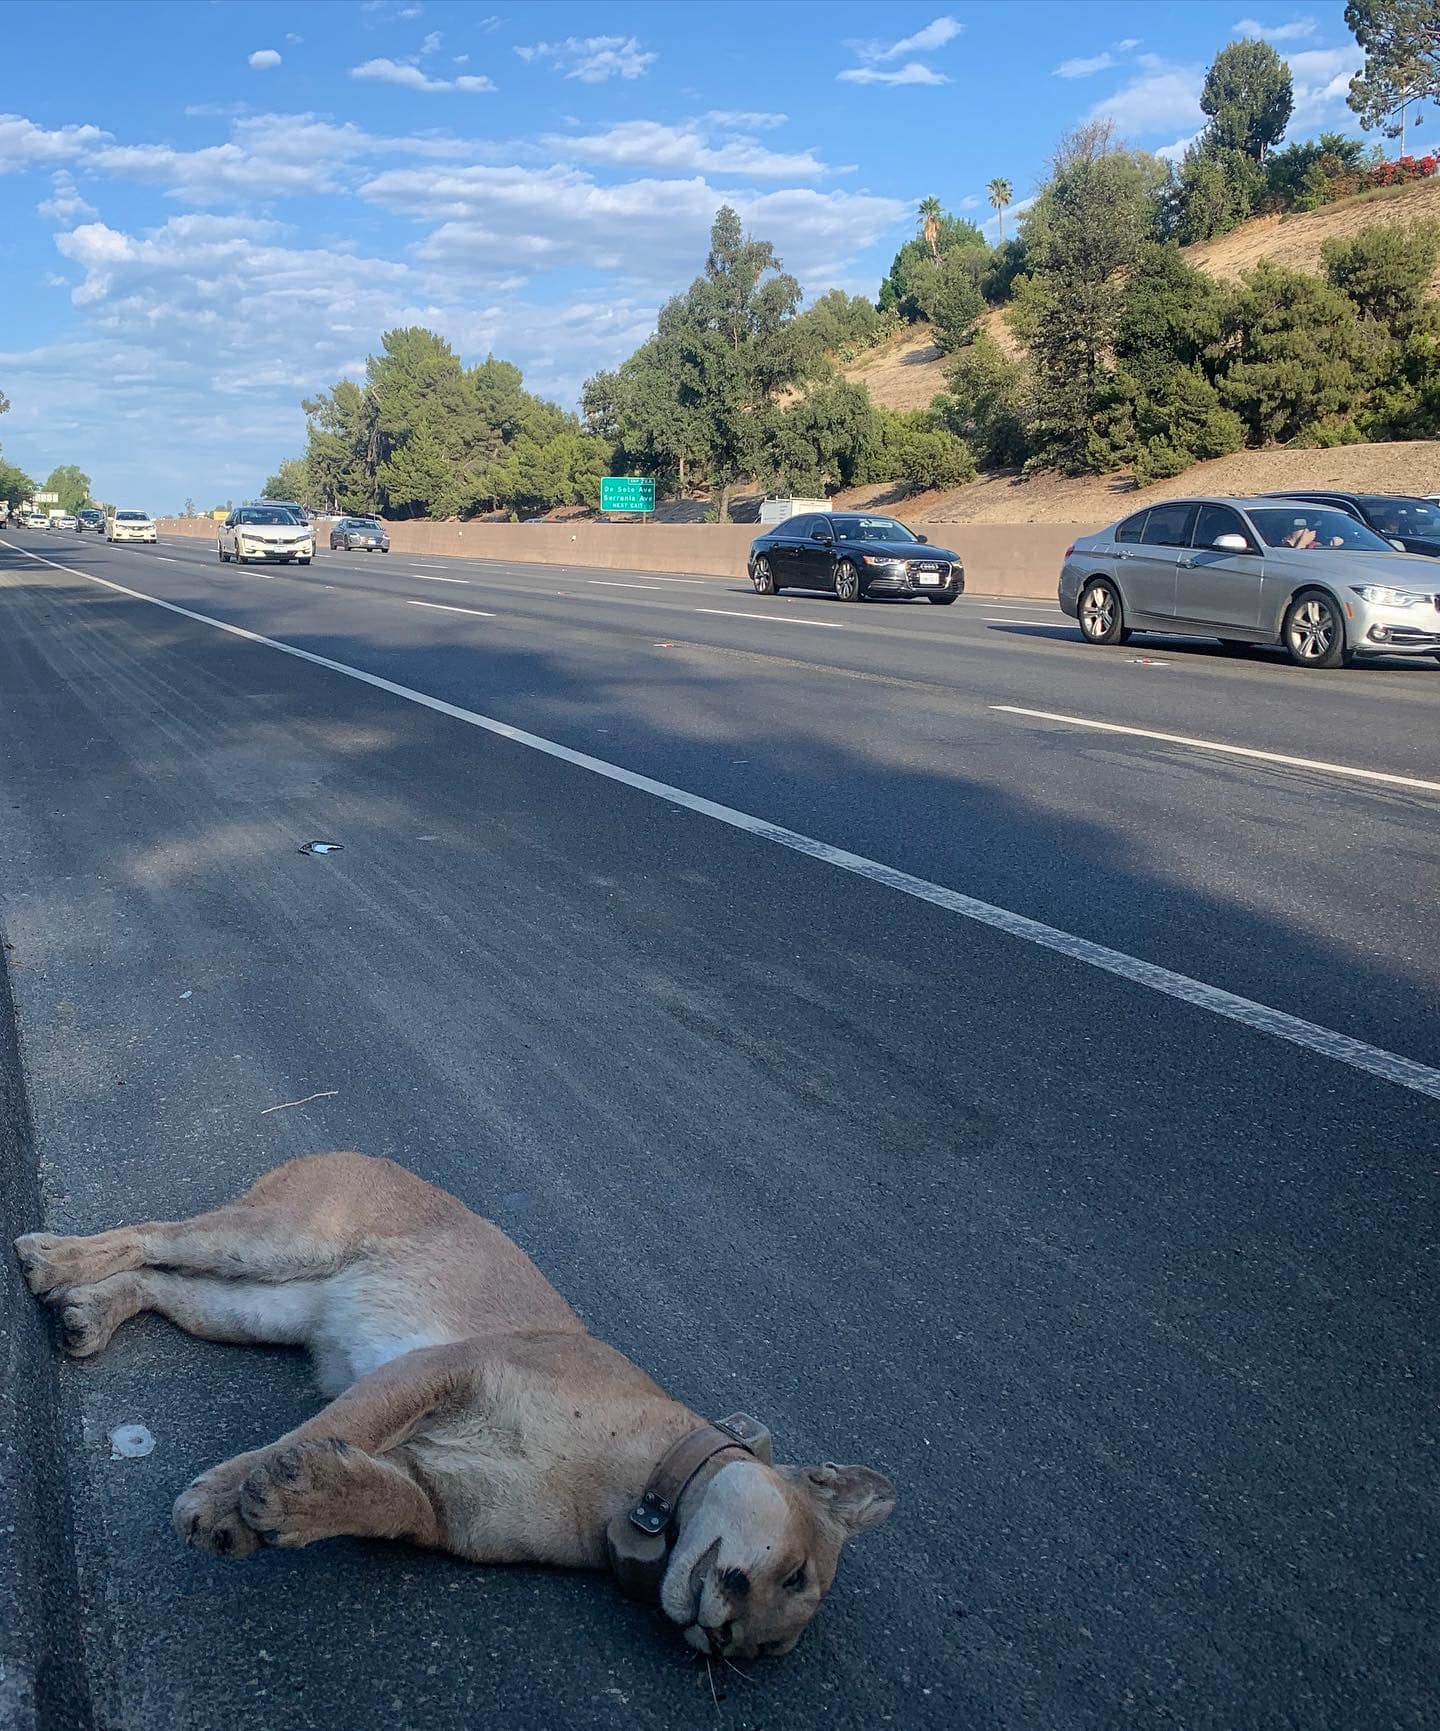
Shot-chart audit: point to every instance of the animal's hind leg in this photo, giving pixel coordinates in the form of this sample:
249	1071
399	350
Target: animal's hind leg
240	1311
243	1241
299	1221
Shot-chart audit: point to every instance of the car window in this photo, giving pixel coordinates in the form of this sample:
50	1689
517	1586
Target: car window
883	529
1215	521
1306	527
796	526
1395	516
1168	526
131	517
1132	528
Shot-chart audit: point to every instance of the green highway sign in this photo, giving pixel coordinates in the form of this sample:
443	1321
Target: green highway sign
632	493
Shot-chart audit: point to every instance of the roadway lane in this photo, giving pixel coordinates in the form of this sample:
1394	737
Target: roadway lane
1130	1299
1115	837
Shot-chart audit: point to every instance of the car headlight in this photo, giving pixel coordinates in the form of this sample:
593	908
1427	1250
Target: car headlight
877	559
1381	596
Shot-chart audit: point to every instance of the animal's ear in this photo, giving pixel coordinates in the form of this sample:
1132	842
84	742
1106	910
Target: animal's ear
855	1498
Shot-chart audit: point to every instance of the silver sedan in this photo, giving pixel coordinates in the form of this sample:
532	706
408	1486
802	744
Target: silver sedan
1305	576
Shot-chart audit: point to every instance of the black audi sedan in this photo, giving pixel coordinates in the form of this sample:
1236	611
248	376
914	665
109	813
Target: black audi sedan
853	554
1412	525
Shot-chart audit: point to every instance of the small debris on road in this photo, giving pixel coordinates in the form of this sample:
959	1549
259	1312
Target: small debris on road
186	994
130	1442
321	847
1147	661
285	1105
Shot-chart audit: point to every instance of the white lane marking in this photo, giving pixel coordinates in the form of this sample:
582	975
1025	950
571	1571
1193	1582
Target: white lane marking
769	618
165	559
1260	1018
1351	770
442	607
425	577
603	583
991	620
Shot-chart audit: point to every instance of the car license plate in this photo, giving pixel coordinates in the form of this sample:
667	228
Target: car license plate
929	576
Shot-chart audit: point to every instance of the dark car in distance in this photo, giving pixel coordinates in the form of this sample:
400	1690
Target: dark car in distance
853	554
89	518
366	532
1412	524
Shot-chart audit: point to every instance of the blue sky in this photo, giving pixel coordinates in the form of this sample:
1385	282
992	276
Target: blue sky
209	211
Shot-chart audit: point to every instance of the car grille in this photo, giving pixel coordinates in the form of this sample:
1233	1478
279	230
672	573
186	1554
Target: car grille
916	566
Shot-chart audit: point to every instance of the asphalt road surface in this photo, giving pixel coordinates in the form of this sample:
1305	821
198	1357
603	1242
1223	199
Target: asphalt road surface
853	1029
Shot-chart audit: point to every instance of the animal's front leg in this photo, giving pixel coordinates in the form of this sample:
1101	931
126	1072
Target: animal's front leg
326	1478
323	1490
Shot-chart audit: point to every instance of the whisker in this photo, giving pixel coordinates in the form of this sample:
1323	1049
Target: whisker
738	1672
710	1673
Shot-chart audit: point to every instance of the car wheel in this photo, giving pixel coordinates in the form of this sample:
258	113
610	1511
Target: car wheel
941	600
847	582
1314	631
220	552
763	578
349	545
303	561
1102	619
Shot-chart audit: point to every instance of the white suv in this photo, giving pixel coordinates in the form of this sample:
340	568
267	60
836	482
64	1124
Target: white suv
266	532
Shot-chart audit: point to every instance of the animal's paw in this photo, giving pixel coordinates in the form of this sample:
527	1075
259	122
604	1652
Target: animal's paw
290	1497
89	1315
207	1514
51	1264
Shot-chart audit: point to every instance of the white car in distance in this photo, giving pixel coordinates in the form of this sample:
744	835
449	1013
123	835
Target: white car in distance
266	532
130	526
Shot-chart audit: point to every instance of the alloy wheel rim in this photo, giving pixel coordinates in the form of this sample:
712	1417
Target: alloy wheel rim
1099	613
1313	631
846	583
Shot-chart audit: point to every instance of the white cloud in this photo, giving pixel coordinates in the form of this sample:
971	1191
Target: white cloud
493	22
1321	78
1174	152
1085	66
23	144
647	230
431	44
935	35
405	73
267	156
1126	44
264	58
1296	29
970	202
914	73
874	55
684	149
746	119
64	204
1163	98
460	60
592	59
293	39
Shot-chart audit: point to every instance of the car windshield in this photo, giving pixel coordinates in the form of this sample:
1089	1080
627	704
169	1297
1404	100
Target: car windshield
363	523
131	517
1390	516
870	529
1314	526
272	516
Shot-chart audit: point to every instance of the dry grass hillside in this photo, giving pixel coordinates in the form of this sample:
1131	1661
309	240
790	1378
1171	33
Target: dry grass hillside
907	372
1410	467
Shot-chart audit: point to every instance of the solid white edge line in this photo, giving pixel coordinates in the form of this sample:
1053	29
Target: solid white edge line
443	607
991	619
1281	757
426	577
735	613
610	583
1260	1018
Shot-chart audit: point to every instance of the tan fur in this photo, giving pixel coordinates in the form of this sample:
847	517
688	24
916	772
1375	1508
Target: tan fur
474	1412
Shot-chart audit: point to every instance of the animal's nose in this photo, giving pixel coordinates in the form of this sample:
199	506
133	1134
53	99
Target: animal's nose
720	1638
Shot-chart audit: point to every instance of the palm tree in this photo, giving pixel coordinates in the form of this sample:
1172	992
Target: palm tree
1001	192
930	218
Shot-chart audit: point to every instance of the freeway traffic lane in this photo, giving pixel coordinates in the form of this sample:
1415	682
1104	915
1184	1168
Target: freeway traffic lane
1130	1300
1243	873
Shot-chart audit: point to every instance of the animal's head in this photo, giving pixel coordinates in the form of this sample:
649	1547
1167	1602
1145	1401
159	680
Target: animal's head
758	1551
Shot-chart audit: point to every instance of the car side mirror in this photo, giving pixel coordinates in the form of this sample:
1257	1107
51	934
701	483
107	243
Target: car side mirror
924	540
1231	544
1399	546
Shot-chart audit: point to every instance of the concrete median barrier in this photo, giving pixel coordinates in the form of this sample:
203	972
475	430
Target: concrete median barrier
1016	559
